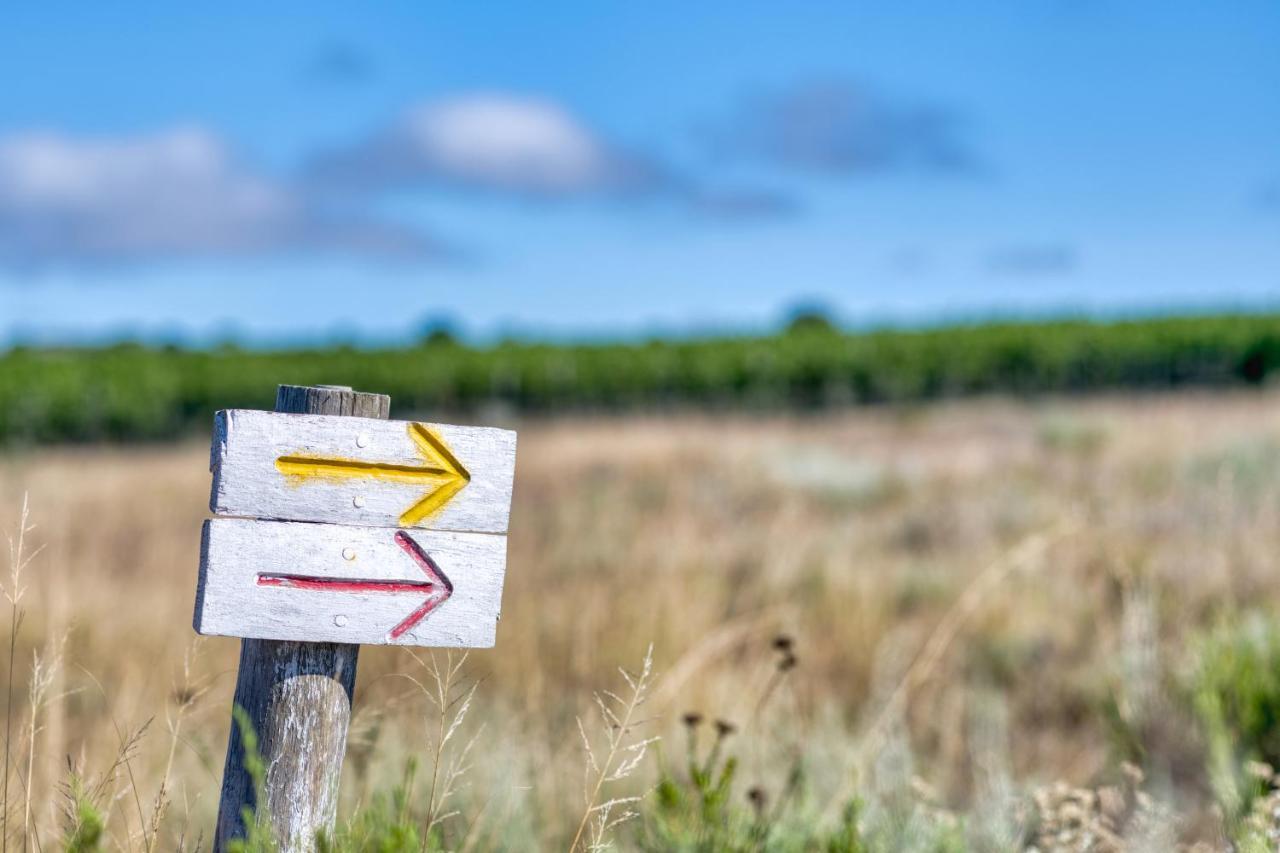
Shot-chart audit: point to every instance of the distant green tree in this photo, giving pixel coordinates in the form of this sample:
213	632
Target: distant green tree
438	331
810	318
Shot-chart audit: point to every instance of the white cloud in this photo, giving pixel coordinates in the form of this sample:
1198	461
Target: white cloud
494	142
172	194
182	193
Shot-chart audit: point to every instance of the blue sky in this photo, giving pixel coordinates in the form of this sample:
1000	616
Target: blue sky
311	171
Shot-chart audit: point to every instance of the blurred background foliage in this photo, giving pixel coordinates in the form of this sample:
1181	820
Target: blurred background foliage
134	392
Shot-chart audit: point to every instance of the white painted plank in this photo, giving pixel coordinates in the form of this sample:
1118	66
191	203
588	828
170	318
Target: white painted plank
363	471
282	580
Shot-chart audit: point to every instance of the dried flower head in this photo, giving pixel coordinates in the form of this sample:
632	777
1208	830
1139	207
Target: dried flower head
783	643
1132	773
692	719
788	661
758	798
724	728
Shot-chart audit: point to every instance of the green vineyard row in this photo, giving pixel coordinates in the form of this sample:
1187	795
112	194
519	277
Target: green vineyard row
131	392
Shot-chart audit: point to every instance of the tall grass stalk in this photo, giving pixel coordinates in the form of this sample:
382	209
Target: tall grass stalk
128	744
44	672
19	559
449	694
84	802
185	695
621	757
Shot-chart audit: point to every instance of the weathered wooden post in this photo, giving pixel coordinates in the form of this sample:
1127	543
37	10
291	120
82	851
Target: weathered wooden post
297	695
305	595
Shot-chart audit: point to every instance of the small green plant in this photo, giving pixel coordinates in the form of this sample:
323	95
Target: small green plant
258	837
84	801
383	826
1235	692
83	818
695	809
695	812
699	808
1238	669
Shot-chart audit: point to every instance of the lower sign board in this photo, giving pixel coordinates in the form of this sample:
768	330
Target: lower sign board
280	580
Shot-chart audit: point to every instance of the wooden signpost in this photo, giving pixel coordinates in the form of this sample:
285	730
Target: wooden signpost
344	528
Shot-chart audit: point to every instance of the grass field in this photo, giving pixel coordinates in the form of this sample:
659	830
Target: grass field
1000	616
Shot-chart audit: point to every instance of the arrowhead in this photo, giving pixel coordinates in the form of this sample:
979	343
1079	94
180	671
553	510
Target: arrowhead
439	590
438	456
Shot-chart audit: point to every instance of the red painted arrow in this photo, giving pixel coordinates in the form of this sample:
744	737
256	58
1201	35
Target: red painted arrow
437	586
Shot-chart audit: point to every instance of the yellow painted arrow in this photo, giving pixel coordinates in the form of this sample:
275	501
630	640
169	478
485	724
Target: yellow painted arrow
440	467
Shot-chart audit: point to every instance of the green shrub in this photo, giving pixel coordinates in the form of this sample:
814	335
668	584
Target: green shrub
1236	685
700	809
384	825
1235	692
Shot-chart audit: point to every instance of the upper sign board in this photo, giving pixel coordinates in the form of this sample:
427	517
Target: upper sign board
362	471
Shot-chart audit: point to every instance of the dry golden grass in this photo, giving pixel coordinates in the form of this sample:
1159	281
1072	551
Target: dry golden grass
858	534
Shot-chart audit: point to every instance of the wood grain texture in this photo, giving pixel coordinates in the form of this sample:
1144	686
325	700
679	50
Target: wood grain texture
361	471
332	400
297	697
238	555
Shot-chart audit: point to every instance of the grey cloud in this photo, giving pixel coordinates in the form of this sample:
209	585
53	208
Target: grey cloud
839	127
495	142
169	195
1033	260
526	148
